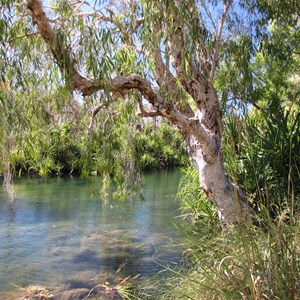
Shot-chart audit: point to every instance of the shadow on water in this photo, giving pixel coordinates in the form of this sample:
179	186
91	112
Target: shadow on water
58	233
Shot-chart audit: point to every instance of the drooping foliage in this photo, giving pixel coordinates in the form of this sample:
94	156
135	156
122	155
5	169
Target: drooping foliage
47	129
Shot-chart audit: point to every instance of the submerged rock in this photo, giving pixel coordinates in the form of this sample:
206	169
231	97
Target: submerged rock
74	294
81	279
83	254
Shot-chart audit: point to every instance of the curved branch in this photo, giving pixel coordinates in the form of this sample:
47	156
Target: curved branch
59	51
119	85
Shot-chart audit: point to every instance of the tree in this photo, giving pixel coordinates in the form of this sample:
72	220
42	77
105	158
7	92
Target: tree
165	53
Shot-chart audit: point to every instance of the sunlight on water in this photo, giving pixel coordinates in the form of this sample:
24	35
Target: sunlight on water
58	232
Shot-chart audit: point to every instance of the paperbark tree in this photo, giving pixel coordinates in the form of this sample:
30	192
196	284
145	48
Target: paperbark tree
181	57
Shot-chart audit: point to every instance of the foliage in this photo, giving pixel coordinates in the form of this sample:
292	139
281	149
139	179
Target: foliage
194	203
48	152
243	263
54	142
261	107
261	147
257	78
160	147
145	38
262	156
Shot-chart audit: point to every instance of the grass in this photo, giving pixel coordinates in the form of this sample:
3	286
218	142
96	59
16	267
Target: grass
244	262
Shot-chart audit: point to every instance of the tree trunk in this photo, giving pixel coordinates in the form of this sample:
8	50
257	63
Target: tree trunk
203	145
231	203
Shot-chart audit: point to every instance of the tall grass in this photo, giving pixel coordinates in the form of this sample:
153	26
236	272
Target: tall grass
194	203
244	263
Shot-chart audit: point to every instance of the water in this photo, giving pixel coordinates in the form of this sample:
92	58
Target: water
59	232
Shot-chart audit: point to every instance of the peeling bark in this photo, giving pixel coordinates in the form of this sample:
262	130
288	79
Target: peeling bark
232	205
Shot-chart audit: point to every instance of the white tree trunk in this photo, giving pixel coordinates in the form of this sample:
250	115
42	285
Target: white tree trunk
232	205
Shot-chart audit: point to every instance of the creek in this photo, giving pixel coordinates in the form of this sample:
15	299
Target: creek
58	231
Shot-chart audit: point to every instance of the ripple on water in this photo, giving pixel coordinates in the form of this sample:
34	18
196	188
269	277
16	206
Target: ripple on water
57	233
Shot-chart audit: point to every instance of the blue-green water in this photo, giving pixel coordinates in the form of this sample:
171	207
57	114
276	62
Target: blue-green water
59	232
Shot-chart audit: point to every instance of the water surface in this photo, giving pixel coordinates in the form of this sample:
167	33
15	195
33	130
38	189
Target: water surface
58	231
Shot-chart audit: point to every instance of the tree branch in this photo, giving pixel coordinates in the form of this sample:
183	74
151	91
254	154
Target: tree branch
209	16
176	47
208	113
190	77
165	78
28	34
146	113
119	85
60	53
218	41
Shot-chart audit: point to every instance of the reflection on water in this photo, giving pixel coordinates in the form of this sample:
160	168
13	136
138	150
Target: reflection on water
57	232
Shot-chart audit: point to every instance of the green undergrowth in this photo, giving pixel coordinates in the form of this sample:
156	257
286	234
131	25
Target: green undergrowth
243	263
160	147
69	149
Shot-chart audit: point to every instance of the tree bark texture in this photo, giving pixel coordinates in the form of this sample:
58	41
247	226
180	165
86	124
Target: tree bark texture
232	205
201	126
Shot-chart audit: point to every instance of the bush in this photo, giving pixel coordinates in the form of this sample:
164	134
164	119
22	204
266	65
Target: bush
262	156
